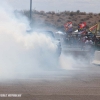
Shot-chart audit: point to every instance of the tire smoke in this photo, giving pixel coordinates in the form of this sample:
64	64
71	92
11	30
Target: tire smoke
22	54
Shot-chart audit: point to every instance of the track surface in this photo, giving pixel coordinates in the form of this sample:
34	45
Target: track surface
81	83
77	84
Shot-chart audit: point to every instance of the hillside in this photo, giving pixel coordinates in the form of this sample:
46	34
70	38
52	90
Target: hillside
57	20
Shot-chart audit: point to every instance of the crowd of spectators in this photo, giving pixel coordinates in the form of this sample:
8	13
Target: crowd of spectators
88	41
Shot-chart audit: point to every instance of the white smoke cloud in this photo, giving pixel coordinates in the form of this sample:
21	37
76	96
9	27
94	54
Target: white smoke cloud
22	53
70	62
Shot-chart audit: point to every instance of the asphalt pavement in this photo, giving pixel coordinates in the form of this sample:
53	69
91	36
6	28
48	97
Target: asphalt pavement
79	83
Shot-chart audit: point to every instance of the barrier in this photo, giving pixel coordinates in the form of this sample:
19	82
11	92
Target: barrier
77	53
96	59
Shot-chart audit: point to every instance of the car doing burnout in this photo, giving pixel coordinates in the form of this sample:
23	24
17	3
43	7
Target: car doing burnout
51	35
55	41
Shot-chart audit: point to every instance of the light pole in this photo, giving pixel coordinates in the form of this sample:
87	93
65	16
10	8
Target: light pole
30	10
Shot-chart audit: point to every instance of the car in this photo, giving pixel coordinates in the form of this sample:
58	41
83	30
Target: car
55	41
51	35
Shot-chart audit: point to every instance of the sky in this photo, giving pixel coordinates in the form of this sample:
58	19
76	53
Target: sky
57	5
